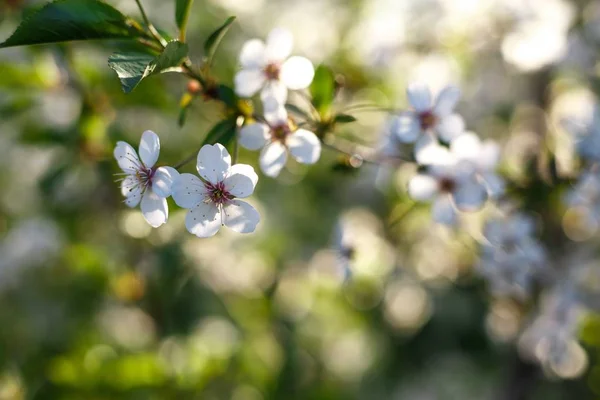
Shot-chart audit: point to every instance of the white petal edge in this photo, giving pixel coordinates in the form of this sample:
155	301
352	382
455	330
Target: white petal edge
126	157
188	191
429	152
273	158
443	211
419	96
254	136
304	146
406	127
450	127
213	162
297	73
149	148
252	55
422	187
249	81
204	220
163	179
279	45
273	94
470	196
446	101
241	180
154	209
240	216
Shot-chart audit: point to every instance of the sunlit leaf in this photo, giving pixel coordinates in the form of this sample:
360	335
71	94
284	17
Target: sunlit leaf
66	20
212	43
322	89
131	68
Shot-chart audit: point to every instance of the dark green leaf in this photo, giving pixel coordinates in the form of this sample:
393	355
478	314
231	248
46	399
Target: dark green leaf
222	132
182	8
212	43
131	68
344	118
227	96
322	89
65	20
297	110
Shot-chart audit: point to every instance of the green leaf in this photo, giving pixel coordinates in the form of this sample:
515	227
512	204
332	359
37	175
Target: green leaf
322	89
65	20
131	68
227	96
222	132
344	118
212	43
182	9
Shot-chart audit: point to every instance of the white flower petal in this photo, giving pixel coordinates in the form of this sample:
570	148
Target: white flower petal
450	127
273	158
254	136
443	210
419	96
490	155
470	196
279	45
127	158
273	94
204	220
253	55
149	148
494	183
276	116
406	127
188	191
131	189
241	180
163	179
446	101
213	162
466	146
248	82
154	208
429	152
304	146
240	216
422	187
297	73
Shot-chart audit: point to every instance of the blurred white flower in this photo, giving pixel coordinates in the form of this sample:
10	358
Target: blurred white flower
451	183
512	258
429	116
277	136
586	134
212	198
484	156
143	181
585	195
266	66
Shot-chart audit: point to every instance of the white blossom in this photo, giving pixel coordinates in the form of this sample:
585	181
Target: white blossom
213	198
512	258
277	136
452	184
484	156
585	196
143	181
586	135
266	67
429	116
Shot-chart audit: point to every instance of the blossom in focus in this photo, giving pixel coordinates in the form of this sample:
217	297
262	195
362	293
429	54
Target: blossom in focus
451	184
277	136
512	258
429	115
266	67
213	198
144	182
484	156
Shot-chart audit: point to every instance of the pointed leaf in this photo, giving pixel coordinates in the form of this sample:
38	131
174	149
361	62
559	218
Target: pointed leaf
222	132
131	68
212	43
344	118
66	20
322	89
182	8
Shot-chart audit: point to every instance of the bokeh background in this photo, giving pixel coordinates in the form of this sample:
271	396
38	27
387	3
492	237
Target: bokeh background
95	304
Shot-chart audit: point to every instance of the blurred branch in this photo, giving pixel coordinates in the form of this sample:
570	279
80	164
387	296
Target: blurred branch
149	25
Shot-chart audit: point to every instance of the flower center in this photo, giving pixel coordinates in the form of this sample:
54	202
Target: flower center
280	132
427	119
447	185
218	194
144	176
272	71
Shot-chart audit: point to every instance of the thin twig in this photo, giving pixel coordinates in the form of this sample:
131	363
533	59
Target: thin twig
149	25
